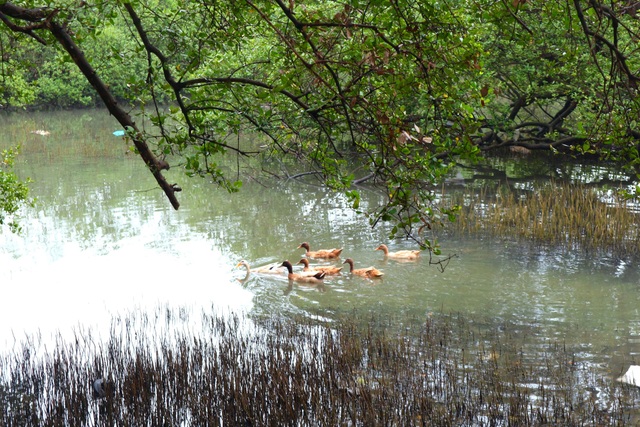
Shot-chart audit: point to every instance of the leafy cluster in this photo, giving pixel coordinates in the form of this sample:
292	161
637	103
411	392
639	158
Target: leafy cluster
40	75
567	83
14	193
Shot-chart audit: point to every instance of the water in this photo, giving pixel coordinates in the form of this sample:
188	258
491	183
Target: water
103	241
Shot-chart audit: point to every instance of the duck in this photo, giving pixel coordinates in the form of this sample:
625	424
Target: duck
406	254
305	277
369	272
266	269
329	269
320	253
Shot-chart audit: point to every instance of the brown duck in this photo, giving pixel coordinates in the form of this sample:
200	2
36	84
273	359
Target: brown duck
267	269
320	253
369	272
328	269
406	254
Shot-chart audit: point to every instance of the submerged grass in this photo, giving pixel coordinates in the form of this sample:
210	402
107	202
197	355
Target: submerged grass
365	370
567	215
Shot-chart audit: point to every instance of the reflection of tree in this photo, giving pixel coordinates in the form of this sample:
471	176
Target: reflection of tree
515	172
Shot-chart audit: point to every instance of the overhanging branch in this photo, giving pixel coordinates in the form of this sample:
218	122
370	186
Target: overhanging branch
65	40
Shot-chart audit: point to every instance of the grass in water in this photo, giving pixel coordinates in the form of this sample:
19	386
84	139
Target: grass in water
566	215
365	370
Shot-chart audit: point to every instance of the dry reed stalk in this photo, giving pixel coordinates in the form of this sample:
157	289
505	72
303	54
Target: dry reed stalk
566	215
362	370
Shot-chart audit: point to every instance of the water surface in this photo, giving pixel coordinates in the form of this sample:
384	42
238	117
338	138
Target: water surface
102	240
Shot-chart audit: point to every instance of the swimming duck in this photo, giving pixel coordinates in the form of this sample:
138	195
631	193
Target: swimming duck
320	253
267	269
308	278
369	272
329	269
406	254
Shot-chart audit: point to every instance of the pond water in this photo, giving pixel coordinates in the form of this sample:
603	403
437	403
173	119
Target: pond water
103	241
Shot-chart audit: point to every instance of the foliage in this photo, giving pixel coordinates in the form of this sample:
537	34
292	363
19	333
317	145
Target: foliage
36	75
331	85
559	83
13	192
388	93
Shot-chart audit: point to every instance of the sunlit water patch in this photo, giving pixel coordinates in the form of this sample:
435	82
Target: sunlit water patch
69	286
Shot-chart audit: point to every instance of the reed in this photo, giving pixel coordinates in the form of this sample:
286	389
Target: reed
568	215
366	369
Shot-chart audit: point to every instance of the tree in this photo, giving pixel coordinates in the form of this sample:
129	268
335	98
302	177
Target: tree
564	77
392	93
323	82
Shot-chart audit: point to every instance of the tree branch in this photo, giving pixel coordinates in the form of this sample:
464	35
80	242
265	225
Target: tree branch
65	40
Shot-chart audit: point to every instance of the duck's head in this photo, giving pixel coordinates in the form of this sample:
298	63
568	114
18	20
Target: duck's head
382	248
288	265
242	263
304	245
304	261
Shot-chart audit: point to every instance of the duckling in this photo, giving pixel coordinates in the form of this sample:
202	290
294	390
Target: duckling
266	269
308	278
405	255
369	272
320	253
329	269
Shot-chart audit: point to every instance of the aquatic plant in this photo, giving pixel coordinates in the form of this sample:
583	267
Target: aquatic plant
567	215
367	369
